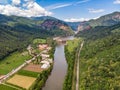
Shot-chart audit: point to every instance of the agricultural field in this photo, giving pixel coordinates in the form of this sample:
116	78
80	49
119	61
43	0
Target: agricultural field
12	61
28	73
36	41
22	81
4	87
33	67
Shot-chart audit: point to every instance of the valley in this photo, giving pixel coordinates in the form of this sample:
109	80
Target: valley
44	53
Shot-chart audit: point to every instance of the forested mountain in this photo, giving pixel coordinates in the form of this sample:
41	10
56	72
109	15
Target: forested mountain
100	58
106	20
17	32
99	32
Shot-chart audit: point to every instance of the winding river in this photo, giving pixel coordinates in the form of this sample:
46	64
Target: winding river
56	79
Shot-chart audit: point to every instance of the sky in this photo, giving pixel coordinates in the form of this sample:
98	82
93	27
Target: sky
67	10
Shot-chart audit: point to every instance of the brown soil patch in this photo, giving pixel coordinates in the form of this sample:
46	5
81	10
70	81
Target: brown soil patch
22	81
33	67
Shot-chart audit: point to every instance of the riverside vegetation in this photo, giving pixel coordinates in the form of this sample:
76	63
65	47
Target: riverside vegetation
70	53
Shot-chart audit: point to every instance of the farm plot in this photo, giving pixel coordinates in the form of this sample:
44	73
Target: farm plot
33	67
28	73
4	87
21	81
12	61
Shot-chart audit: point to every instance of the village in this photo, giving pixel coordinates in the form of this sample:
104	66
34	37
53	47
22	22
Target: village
40	61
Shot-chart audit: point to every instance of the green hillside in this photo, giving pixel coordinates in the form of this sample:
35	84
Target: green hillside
17	32
100	59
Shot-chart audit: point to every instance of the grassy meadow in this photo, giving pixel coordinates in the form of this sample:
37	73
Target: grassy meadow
12	61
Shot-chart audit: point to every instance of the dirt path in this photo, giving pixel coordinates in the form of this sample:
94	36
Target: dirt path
77	71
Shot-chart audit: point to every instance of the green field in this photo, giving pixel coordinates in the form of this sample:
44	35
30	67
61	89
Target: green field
37	41
12	61
28	73
4	87
71	45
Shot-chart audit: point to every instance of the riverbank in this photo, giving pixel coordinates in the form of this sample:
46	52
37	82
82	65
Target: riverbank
71	54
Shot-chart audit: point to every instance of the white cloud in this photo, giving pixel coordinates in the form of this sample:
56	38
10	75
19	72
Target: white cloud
28	9
56	6
16	2
116	2
61	5
76	19
83	1
95	10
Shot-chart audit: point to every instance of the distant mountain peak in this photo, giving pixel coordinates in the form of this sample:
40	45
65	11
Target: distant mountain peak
106	20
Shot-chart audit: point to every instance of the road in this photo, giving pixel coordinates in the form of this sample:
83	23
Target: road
17	69
77	71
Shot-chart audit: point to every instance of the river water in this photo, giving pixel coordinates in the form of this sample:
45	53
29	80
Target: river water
56	79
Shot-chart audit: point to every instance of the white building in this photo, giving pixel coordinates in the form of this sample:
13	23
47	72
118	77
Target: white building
44	62
45	66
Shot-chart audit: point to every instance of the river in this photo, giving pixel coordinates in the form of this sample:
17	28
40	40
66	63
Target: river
56	79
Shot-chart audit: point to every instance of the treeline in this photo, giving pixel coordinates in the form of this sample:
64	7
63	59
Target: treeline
100	59
71	55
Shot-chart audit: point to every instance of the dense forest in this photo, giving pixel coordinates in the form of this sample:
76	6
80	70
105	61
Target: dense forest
18	32
100	58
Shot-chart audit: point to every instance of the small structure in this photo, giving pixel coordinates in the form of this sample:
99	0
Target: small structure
48	48
44	62
45	66
29	48
44	52
45	55
42	46
50	60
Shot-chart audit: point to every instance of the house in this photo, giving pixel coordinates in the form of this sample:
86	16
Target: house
42	46
29	48
45	55
45	66
44	62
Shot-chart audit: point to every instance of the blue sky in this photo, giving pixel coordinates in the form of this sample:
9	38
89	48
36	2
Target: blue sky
69	10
